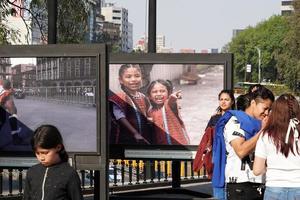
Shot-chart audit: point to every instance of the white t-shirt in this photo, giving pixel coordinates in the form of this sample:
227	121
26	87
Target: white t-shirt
281	171
233	170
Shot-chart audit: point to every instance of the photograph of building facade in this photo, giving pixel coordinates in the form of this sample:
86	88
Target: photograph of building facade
68	71
5	65
23	75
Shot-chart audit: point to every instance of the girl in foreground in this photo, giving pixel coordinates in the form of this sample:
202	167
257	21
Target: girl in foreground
53	178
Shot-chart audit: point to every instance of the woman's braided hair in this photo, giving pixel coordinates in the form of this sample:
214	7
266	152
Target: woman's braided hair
284	111
290	99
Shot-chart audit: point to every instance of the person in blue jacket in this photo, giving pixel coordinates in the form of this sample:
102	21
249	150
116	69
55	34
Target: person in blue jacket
236	134
14	135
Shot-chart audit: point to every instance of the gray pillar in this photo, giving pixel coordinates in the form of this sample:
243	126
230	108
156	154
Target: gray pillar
152	27
52	19
146	68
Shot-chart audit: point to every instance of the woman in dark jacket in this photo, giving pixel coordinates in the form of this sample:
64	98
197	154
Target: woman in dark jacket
204	152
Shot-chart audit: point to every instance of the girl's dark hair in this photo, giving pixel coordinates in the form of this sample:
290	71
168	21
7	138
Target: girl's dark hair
231	95
167	84
256	92
285	107
242	102
261	93
125	67
48	137
254	87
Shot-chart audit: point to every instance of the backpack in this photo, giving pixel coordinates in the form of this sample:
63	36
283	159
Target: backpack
203	156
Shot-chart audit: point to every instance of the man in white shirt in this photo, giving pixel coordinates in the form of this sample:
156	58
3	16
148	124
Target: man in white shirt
240	180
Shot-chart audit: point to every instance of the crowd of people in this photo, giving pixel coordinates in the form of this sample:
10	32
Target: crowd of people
250	146
255	151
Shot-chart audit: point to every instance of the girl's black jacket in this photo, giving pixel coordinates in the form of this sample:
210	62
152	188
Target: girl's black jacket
58	182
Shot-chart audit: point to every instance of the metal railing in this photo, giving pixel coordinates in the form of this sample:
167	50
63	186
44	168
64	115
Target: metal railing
123	175
63	94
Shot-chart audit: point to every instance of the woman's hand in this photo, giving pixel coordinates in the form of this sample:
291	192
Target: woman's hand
264	122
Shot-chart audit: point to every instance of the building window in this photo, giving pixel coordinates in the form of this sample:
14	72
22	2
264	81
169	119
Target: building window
286	12
69	68
286	3
87	67
43	75
61	72
77	68
49	77
54	75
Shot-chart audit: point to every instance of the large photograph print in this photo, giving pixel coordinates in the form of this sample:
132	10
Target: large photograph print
162	104
60	91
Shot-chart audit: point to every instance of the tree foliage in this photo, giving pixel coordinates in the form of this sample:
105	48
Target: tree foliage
105	37
289	58
278	38
6	33
74	27
267	36
3	27
72	22
72	19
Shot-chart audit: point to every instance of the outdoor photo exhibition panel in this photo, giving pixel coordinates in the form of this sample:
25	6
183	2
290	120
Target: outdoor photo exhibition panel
168	100
58	85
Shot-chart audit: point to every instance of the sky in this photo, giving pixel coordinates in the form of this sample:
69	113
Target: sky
198	24
16	61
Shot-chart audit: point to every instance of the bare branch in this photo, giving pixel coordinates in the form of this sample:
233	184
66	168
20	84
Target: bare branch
27	27
32	14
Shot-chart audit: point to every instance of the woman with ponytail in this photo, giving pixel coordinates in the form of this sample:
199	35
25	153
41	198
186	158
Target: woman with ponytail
278	152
